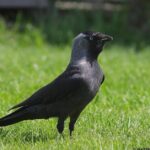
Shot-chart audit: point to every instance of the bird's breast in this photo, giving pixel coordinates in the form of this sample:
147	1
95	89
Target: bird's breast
93	77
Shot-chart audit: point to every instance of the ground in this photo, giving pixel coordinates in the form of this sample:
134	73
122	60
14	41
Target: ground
118	117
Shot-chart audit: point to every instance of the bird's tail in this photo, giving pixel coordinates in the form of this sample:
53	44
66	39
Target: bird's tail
17	116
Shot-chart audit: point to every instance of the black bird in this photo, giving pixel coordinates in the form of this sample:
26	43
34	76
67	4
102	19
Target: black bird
71	91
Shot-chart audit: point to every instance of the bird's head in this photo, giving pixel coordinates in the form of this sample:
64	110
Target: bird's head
89	44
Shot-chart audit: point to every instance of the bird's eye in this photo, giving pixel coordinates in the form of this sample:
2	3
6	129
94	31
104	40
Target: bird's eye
91	38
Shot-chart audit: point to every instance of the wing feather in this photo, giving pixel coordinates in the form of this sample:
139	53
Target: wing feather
57	90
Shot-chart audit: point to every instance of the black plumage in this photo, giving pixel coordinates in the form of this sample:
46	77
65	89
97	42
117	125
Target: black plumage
70	92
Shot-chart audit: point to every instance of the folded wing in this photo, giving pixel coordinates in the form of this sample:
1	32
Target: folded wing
56	91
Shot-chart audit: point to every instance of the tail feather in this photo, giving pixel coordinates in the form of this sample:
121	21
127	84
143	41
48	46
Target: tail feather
17	116
25	113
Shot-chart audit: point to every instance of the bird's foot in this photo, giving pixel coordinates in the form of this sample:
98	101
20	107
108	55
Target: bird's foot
70	134
60	136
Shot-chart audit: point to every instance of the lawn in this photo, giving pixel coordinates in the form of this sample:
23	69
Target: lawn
118	117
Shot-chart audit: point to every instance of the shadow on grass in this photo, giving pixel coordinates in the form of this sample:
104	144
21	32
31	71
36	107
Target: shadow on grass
26	137
29	136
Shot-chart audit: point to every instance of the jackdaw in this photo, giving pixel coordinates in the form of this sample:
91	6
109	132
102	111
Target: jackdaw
71	91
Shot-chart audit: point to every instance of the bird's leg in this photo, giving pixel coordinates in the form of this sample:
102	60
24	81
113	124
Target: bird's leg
73	119
60	124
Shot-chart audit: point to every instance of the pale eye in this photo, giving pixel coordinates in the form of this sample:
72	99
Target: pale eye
91	38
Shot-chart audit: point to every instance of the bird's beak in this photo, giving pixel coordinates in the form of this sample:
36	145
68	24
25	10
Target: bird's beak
103	37
107	38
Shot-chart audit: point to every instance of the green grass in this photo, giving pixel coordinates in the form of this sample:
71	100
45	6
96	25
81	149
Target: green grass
118	117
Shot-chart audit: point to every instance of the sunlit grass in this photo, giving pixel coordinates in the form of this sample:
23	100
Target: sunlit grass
118	118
